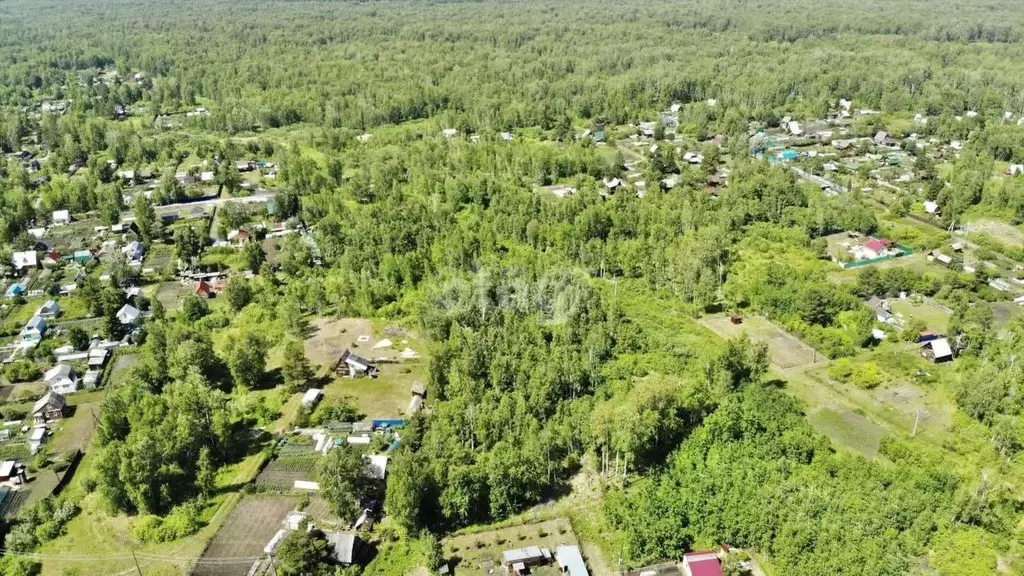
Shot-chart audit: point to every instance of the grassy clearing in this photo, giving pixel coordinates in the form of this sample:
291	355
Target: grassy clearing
121	368
1003	232
75	433
386	396
849	429
784	349
170	294
71	308
936	319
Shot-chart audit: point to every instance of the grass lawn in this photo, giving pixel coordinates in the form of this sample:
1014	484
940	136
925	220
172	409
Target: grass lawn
855	419
159	257
849	429
74	433
936	320
120	370
170	294
1003	232
71	308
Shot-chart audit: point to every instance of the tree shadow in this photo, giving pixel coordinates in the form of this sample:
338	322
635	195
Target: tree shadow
270	379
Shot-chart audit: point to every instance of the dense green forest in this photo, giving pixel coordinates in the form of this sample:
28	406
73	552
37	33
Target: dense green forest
563	330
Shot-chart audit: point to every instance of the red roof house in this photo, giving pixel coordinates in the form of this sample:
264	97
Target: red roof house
51	258
203	289
702	564
239	236
877	245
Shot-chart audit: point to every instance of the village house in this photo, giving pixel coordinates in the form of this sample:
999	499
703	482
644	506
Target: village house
133	253
311	397
97	358
931	208
203	290
702	564
378	468
61	379
24	261
50	309
91	379
345	546
36	438
238	237
520	560
570	561
693	158
943	258
83	257
14	290
61	217
49	408
883	311
34	329
937	350
357	365
11	471
128	315
612	184
873	248
51	259
124	228
419	393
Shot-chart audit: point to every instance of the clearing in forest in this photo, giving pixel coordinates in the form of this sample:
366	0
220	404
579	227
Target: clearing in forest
784	350
401	363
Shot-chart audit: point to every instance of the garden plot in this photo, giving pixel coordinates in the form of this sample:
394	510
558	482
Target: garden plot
171	293
245	532
480	553
281	473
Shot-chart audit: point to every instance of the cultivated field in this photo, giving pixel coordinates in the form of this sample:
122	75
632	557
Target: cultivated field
784	349
281	474
245	532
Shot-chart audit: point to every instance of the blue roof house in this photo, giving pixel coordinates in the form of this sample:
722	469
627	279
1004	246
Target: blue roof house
34	330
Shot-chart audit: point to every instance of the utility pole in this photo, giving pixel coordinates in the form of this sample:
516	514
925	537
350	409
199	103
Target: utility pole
917	418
